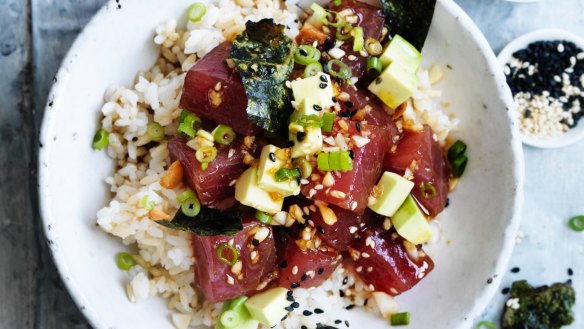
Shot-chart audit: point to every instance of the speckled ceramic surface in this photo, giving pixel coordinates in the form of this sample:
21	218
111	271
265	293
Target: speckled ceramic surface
478	228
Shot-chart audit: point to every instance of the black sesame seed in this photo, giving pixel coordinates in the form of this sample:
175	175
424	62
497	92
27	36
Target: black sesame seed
351	154
134	139
505	291
322	85
515	270
272	156
290	293
378	80
345	280
353	113
290	144
320	229
295	285
300	136
295	305
346	114
320	270
289	308
334	99
329	43
307	313
303	327
349	104
570	272
303	277
527	114
284	264
338	321
290	298
303	52
255	242
490	280
358	126
350	307
323	78
366	302
318	311
341	293
447	203
347	323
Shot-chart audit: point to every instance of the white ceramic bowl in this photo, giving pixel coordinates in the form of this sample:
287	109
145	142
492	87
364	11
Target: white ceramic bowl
479	226
573	135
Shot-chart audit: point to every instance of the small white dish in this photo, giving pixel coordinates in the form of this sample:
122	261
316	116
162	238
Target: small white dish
573	135
479	227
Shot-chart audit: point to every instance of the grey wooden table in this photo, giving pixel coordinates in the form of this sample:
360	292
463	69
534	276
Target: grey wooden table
34	36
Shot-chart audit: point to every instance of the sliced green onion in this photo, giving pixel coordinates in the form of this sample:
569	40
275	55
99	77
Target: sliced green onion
145	204
124	261
312	69
486	325
237	303
427	190
338	69
374	66
206	154
191	120
191	207
345	161
263	217
204	166
305	169
358	38
373	47
224	134
335	160
456	150
577	223
234	254
459	165
196	11
306	54
155	131
284	174
344	32
100	139
185	195
312	120
322	161
230	319
333	19
400	319
337	2
328	120
184	129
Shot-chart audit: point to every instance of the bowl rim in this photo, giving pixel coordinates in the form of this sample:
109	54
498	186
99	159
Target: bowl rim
485	294
547	34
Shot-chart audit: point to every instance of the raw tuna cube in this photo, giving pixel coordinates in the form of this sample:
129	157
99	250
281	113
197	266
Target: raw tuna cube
341	234
214	91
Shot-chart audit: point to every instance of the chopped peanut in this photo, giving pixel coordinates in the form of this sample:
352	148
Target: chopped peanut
173	176
158	214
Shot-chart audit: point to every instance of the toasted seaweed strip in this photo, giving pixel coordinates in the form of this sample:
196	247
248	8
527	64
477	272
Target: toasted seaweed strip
264	57
209	222
410	19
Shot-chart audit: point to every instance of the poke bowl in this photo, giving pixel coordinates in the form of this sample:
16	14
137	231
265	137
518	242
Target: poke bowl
217	218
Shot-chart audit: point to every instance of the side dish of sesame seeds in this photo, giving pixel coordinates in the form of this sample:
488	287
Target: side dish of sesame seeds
547	82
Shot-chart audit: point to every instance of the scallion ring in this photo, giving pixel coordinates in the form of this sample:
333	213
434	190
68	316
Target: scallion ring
196	11
100	139
358	38
191	207
230	319
185	195
224	134
312	69
374	66
206	154
373	47
400	319
328	120
486	325
144	203
428	190
577	223
344	32
263	217
124	261
334	19
456	150
234	254
155	131
338	69
285	174
190	120
459	165
186	130
306	54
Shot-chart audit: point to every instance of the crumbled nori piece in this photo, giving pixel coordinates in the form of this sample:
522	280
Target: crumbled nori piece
209	222
410	19
547	307
264	57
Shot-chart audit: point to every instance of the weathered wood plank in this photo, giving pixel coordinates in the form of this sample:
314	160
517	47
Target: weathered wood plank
18	254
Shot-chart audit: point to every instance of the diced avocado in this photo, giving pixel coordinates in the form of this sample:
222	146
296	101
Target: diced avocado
318	15
307	142
410	222
394	190
402	52
238	305
269	164
317	90
249	193
268	307
394	85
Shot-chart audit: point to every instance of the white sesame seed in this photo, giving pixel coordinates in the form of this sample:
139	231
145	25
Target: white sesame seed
370	269
230	279
359	269
319	187
338	194
393	291
295	270
580	56
561	48
262	234
387	224
236	268
365	255
352	229
328	179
